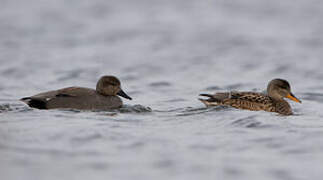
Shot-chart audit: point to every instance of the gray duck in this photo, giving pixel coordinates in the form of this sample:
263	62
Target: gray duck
104	97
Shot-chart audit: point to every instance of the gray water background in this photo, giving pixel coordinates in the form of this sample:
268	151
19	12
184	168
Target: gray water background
165	52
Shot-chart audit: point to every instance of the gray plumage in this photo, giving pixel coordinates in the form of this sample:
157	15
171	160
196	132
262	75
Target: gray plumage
104	97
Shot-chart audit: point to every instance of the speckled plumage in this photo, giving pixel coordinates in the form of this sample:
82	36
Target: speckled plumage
271	102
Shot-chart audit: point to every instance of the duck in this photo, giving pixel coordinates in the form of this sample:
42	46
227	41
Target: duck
104	97
272	101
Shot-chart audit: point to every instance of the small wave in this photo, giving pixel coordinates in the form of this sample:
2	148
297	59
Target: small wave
113	112
160	84
204	147
164	163
13	107
86	138
134	109
318	97
71	74
213	88
248	122
194	111
235	86
5	108
175	100
46	151
125	109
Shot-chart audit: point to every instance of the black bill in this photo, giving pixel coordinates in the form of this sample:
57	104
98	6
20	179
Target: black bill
123	94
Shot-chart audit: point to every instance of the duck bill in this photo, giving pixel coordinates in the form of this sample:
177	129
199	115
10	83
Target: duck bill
123	94
291	96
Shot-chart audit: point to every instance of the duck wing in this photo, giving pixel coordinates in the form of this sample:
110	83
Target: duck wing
214	99
242	100
250	100
40	101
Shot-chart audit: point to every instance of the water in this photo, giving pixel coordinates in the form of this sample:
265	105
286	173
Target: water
165	53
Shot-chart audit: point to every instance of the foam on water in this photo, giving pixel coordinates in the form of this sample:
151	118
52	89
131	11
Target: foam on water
166	53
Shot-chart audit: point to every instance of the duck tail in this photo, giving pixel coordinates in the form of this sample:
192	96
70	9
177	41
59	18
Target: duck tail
216	99
25	99
211	101
35	103
207	95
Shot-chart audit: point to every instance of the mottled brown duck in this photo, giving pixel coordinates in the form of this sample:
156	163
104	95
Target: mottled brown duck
273	101
104	97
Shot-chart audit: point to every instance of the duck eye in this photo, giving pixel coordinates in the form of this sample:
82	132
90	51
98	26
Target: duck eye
107	83
113	84
282	87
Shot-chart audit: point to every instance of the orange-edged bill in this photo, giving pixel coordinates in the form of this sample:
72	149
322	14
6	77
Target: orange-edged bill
291	96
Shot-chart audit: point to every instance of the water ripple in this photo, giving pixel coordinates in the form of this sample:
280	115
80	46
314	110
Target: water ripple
248	122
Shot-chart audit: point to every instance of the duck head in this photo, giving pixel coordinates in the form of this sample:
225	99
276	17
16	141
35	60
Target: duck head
279	89
110	86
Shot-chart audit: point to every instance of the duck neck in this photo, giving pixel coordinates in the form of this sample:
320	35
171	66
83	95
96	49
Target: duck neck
99	91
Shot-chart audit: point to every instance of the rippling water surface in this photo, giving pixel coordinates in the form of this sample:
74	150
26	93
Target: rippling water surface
165	53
